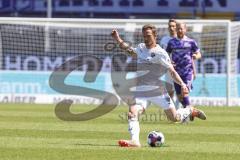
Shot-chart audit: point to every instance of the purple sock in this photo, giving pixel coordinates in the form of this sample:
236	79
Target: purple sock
185	101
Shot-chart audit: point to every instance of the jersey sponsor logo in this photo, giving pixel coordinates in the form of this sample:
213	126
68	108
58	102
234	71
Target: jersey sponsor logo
181	50
153	54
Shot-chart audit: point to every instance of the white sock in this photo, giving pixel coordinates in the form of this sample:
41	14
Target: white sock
183	114
134	130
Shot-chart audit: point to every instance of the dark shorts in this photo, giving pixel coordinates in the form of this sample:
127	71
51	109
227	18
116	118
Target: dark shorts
187	80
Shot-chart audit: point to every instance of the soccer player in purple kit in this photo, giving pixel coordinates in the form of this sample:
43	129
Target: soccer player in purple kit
183	51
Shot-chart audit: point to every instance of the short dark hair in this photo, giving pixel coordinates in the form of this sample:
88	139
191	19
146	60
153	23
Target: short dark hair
150	26
172	20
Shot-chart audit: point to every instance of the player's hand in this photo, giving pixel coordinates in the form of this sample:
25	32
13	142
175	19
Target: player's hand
194	56
184	89
115	34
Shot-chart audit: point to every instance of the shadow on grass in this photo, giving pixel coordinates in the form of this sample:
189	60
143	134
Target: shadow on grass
113	145
89	144
116	145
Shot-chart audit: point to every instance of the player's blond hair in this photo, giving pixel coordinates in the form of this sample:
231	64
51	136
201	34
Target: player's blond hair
152	27
181	23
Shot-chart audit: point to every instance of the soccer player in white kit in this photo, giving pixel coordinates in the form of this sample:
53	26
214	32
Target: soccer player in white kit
143	51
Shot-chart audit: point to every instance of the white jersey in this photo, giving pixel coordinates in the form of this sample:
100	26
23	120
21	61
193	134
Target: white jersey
152	79
164	41
143	52
162	100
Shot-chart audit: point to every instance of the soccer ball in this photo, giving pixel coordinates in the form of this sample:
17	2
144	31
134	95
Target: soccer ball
155	139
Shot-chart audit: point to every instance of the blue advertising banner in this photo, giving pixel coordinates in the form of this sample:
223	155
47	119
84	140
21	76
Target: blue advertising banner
33	87
35	82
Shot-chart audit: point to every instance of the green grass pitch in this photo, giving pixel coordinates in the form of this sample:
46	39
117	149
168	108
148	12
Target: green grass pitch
33	132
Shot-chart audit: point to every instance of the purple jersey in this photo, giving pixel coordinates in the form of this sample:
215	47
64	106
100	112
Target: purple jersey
181	51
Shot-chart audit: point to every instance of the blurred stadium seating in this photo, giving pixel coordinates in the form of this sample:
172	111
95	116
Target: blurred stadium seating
123	8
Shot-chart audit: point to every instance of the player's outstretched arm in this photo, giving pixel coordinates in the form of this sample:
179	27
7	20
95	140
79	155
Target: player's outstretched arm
123	45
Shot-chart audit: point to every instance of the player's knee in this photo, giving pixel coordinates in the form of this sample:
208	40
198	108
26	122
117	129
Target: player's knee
132	116
185	94
135	111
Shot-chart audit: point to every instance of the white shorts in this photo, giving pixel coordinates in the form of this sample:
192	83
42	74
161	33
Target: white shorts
163	101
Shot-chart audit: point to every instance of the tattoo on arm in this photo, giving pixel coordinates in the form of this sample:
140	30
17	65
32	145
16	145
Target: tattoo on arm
124	46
